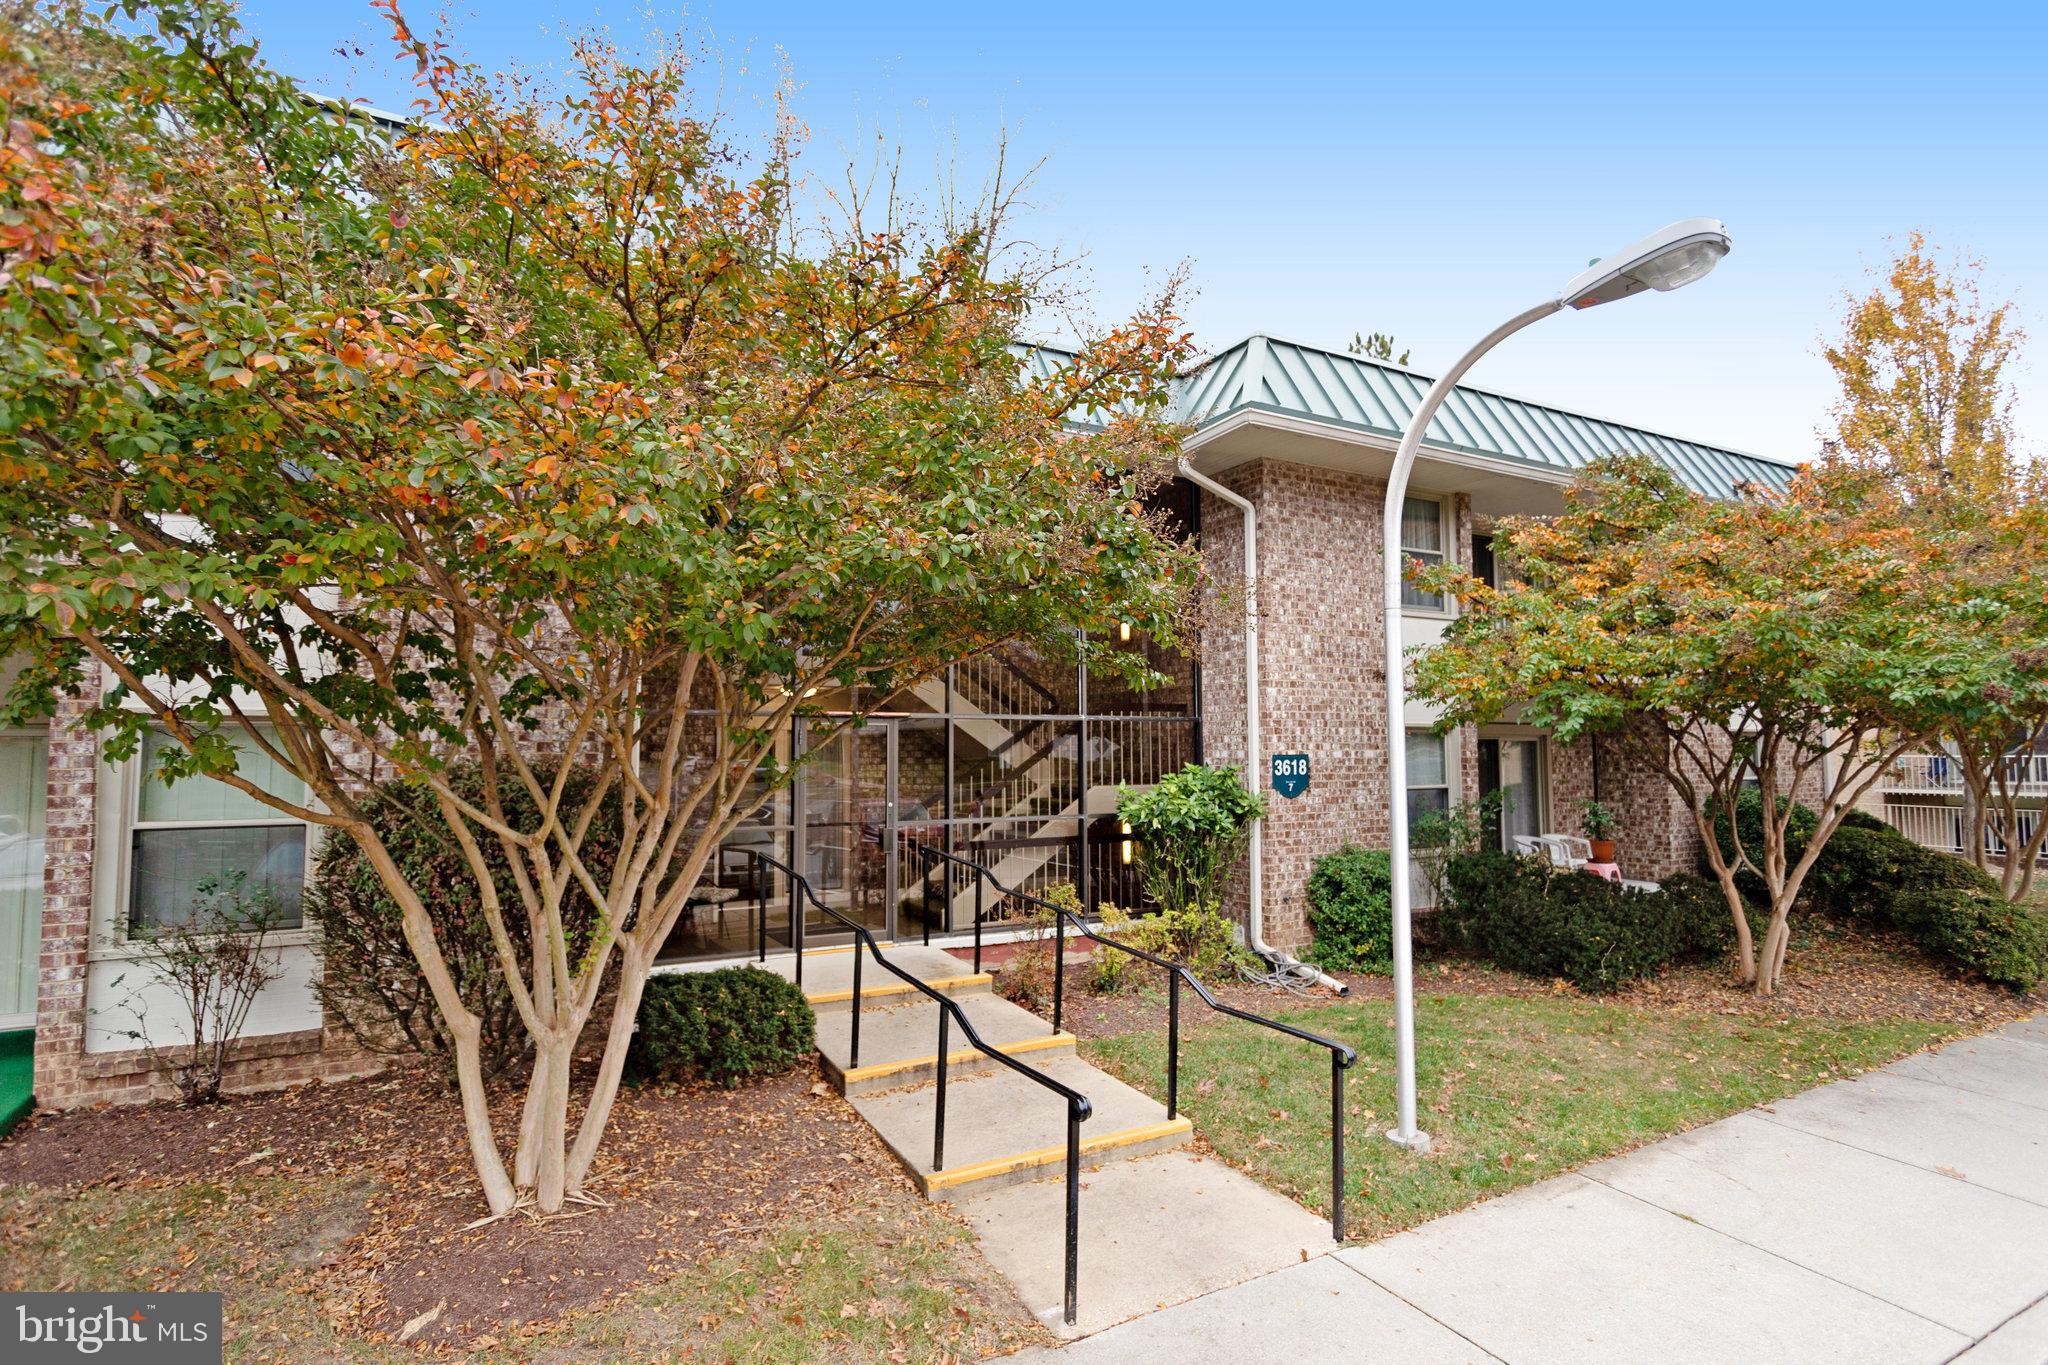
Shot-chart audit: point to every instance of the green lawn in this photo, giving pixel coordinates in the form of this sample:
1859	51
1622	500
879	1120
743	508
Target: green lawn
1511	1089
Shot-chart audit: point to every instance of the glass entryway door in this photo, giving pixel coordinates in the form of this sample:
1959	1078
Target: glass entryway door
1513	768
23	768
869	795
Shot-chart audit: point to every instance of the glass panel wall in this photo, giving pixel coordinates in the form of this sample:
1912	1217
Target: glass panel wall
1012	759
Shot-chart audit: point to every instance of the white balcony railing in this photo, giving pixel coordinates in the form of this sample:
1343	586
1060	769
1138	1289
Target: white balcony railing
1942	827
2028	772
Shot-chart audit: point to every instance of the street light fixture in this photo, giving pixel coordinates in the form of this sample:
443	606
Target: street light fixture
1664	260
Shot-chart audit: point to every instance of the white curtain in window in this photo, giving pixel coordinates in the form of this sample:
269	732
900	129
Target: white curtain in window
1422	537
22	780
1521	791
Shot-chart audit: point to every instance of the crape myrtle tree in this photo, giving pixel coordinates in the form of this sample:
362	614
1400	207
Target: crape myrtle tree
378	449
1926	403
1799	639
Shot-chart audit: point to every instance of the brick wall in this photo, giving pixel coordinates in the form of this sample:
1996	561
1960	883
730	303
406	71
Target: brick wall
66	1075
1321	676
1321	673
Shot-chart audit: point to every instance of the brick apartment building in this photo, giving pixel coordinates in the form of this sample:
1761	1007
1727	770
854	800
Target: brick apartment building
1008	760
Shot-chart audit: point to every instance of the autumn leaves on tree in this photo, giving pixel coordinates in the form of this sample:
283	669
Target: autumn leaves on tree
546	422
1893	596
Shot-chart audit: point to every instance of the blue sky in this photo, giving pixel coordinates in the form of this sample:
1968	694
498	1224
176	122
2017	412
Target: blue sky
1421	169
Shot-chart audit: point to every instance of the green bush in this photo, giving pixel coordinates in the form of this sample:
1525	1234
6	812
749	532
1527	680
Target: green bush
1871	874
1749	821
1350	907
1191	827
1205	941
1977	928
1522	914
1862	871
723	1026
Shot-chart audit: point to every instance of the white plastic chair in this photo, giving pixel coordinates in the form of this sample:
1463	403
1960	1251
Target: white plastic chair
1570	853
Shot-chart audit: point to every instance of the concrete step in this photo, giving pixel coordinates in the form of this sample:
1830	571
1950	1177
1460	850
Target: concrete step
899	1042
1002	1129
1153	1232
828	975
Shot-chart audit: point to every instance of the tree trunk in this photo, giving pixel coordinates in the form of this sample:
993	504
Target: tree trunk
476	1114
633	964
1771	955
551	1080
463	1026
527	1156
1745	945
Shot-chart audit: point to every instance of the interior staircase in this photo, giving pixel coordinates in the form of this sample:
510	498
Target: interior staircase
1159	1223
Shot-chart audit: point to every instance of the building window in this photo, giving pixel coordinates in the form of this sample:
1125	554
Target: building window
1422	538
1429	776
195	830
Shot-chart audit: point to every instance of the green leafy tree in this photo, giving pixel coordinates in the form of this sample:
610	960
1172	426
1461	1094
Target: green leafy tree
547	424
1801	640
1378	346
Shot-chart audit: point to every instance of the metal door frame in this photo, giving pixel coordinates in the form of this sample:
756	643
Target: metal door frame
801	827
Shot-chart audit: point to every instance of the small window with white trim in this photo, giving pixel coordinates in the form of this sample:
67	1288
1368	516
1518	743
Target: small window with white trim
197	830
1422	538
1429	776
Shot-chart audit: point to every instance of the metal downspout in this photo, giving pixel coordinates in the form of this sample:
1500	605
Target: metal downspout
1255	920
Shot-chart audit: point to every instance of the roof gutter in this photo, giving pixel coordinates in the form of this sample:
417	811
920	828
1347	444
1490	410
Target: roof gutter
1255	920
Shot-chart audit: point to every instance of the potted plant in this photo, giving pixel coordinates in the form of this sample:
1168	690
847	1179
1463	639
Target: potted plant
1600	825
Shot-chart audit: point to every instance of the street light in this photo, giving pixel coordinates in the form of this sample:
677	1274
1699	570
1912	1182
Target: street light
1665	260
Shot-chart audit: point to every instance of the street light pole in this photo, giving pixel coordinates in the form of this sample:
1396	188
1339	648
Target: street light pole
1663	261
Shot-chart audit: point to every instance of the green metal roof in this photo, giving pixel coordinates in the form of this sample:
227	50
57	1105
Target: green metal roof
1266	374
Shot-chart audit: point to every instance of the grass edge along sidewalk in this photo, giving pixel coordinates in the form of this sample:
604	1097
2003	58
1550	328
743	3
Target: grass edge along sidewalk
1513	1090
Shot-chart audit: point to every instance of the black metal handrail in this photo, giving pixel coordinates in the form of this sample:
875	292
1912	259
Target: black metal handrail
1078	1107
1342	1056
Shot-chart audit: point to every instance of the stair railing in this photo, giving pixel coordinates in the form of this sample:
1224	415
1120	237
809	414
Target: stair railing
1342	1056
1078	1107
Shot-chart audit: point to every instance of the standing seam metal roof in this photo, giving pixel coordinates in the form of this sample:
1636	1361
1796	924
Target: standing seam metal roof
1266	373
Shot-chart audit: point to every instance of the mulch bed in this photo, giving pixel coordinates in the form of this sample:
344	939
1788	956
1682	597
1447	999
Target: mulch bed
1833	972
685	1173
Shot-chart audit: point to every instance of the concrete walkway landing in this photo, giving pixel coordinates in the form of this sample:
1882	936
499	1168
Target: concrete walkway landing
1158	1225
1901	1217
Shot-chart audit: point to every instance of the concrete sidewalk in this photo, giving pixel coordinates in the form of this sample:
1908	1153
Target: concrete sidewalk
1899	1217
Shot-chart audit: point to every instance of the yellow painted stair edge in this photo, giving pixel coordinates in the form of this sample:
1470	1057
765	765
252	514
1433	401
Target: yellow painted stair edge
950	983
965	1054
1048	1156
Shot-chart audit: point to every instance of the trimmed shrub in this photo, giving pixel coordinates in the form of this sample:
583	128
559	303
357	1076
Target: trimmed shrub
1863	870
1351	909
1749	820
724	1026
370	982
1191	827
1870	874
1522	914
1979	929
1204	941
